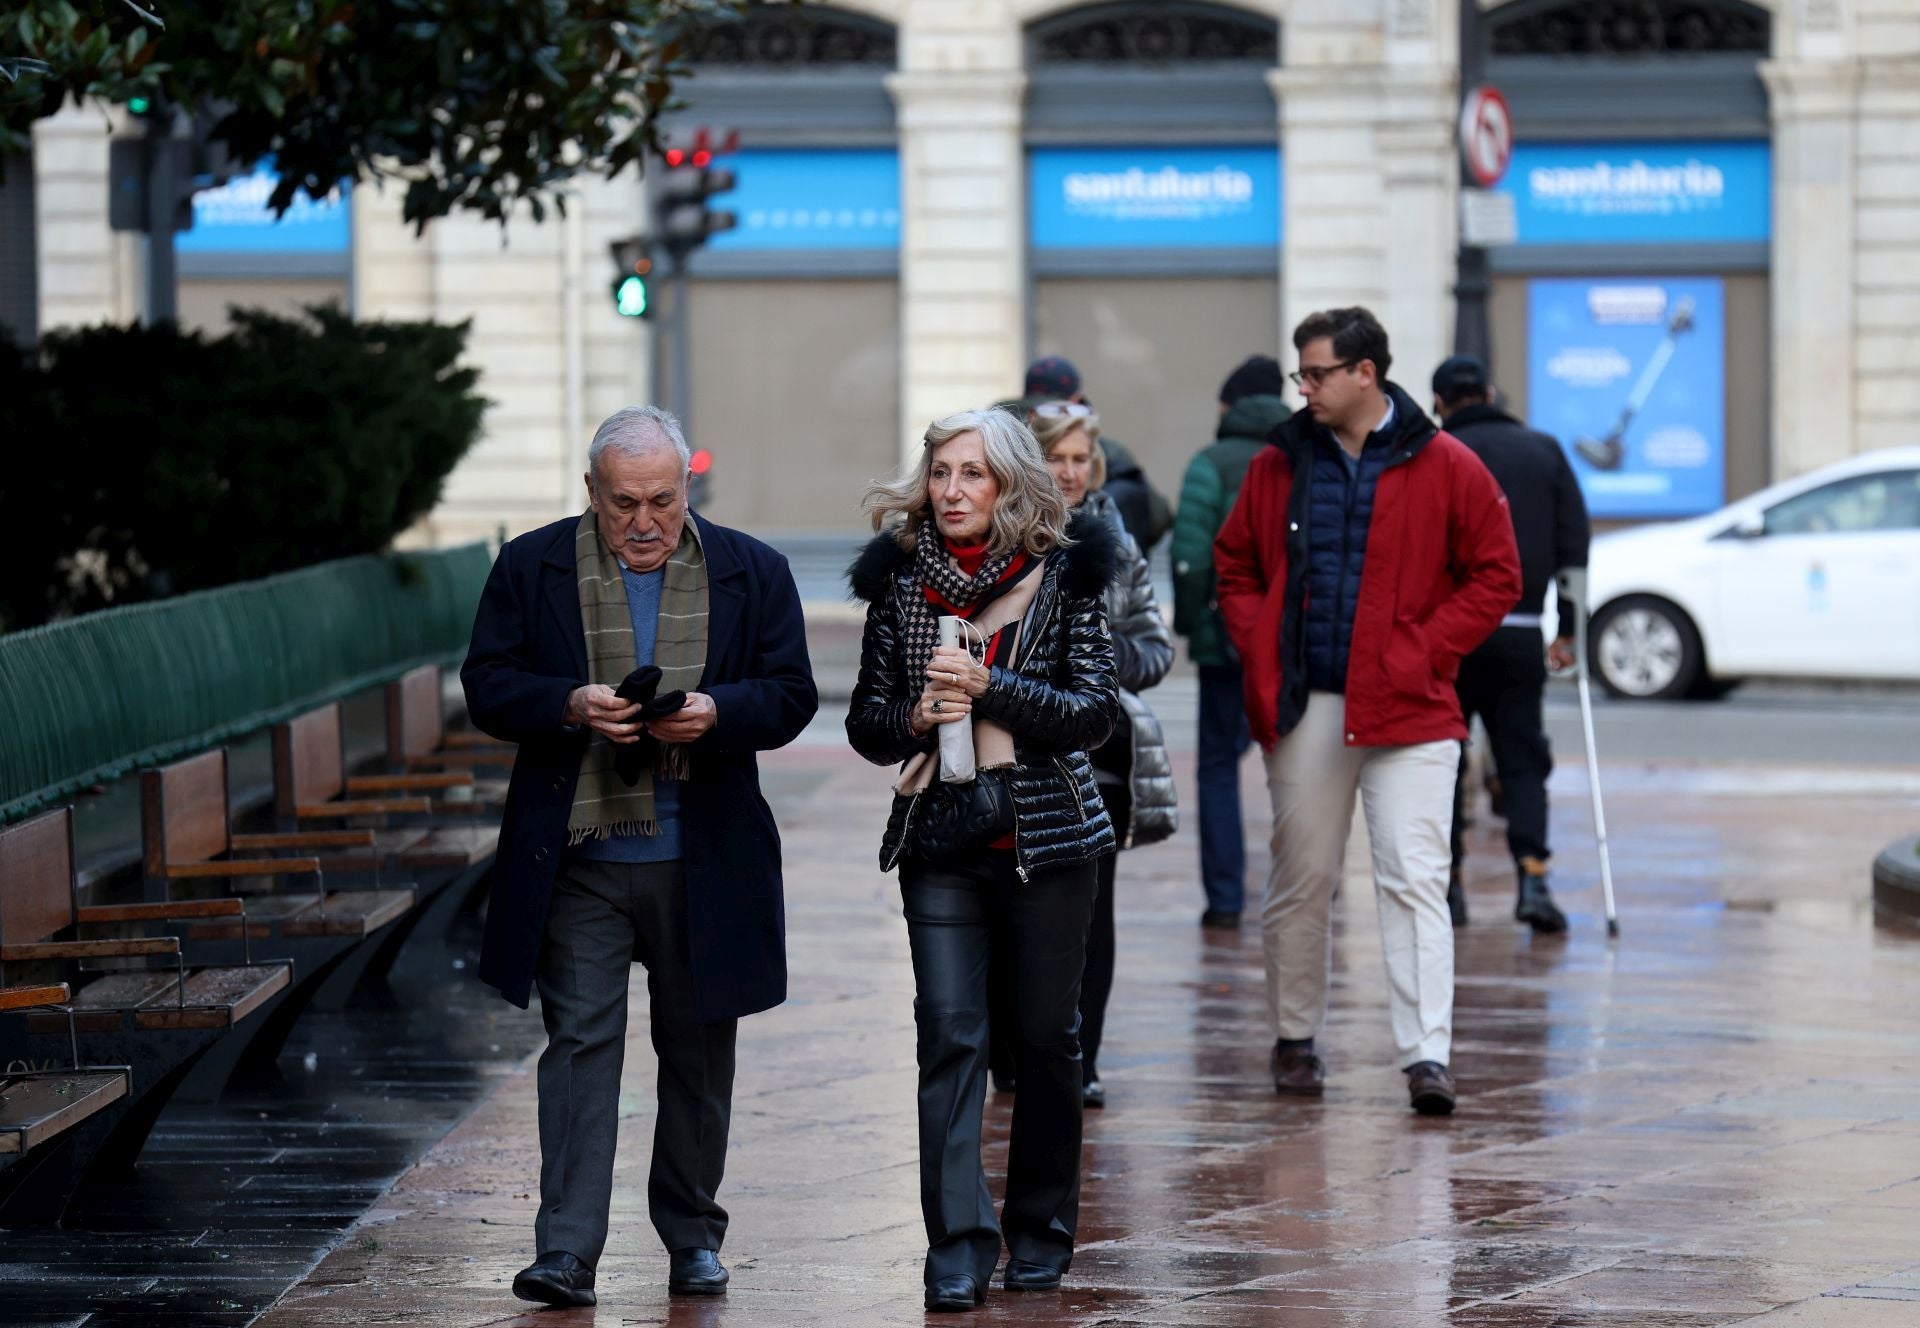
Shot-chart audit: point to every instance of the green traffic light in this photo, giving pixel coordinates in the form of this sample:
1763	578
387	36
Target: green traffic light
630	297
139	105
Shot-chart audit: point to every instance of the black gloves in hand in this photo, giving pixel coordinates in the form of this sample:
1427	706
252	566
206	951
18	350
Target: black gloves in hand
629	759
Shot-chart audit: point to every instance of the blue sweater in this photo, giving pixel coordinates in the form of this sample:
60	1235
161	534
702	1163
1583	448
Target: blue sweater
1338	519
643	603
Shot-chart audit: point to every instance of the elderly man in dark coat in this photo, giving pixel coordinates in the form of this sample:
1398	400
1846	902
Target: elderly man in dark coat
641	656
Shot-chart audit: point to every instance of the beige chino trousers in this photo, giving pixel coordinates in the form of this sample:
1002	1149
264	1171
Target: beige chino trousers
1312	777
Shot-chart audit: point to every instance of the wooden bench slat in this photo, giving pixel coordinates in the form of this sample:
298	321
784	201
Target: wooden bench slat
127	991
120	949
27	998
305	839
216	997
454	738
324	811
243	867
463	757
352	913
454	846
174	911
36	1109
388	845
264	912
402	783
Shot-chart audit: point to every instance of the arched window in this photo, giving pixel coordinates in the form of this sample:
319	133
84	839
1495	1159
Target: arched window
1155	34
782	36
1628	28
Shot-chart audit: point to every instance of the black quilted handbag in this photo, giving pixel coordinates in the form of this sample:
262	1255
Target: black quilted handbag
958	820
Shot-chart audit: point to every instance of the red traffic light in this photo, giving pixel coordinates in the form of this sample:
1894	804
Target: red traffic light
702	462
676	156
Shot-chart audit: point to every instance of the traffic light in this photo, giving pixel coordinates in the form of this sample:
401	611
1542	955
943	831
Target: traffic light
700	487
683	215
633	269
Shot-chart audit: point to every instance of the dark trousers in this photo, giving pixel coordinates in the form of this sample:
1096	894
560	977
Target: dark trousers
604	916
1503	682
1223	739
951	909
1097	983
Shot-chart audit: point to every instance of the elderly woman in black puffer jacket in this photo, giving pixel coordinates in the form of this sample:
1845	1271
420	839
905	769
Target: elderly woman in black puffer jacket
978	530
1135	776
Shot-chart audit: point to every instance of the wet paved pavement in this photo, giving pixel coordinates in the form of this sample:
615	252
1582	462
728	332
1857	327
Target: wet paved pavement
234	1201
1716	1121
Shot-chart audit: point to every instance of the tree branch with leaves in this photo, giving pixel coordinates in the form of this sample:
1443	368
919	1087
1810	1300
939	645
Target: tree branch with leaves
478	106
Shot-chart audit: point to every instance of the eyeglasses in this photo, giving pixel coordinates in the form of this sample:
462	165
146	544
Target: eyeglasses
1317	374
1072	410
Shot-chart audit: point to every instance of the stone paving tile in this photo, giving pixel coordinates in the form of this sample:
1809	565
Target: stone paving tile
1716	1120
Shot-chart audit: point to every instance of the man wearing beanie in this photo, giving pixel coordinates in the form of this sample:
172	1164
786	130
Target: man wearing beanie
1250	407
1504	680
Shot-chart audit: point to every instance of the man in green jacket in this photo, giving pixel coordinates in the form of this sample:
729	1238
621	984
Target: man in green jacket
1250	407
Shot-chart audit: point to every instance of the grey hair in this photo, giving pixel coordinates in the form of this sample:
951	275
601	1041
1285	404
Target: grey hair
1052	430
636	431
1029	513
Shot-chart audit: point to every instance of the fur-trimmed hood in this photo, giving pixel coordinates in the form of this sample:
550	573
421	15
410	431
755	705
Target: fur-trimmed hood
1088	565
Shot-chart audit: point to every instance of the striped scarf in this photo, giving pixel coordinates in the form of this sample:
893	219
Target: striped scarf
959	595
603	804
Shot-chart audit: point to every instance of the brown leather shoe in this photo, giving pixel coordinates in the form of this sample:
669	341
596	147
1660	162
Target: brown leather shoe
1297	1070
1432	1089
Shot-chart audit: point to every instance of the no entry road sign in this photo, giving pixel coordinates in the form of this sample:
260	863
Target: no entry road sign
1486	135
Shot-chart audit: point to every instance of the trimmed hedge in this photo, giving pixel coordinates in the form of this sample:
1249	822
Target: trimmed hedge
146	461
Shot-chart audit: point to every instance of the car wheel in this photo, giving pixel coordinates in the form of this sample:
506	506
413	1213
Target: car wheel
1644	649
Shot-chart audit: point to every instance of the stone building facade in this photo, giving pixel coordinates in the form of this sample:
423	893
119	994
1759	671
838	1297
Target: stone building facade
817	360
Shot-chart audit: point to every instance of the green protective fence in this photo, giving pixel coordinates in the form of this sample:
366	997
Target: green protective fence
91	698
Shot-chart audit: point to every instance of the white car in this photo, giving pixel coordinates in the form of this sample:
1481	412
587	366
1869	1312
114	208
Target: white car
1818	577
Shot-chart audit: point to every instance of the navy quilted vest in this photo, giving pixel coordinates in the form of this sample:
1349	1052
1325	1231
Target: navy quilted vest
1337	522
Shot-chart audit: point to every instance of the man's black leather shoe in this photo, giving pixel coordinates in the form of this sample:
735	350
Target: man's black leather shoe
1024	1276
955	1294
696	1273
1093	1096
556	1278
1218	919
1432	1088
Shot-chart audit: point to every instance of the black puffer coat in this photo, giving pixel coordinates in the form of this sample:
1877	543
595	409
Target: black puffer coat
1143	653
1058	700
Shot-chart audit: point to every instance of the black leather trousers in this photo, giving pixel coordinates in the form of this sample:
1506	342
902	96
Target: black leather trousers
952	910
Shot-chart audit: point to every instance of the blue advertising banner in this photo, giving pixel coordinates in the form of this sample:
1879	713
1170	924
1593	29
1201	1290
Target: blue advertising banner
235	219
1155	197
1630	375
1641	193
812	198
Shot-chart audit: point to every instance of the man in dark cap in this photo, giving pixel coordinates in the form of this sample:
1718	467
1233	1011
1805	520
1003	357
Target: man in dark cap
1503	681
1143	509
1251	405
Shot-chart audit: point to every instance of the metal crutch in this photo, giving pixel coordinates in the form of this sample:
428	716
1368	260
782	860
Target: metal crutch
1573	598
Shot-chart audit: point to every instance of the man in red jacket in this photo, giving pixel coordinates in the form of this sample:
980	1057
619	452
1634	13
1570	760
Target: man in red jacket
1368	552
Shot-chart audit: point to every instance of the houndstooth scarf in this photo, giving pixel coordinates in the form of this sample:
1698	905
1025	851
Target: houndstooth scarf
603	804
936	569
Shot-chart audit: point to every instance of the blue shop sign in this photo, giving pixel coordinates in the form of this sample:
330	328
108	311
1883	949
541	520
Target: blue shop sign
1642	193
1155	198
808	198
235	219
1629	373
